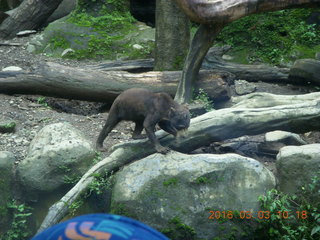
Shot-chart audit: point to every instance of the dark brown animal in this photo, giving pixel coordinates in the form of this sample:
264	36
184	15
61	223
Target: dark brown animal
146	109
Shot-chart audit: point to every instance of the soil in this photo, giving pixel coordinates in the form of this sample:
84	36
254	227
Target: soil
31	113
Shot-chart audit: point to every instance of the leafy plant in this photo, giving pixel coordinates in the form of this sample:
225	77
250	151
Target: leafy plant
202	97
42	101
178	230
101	183
293	217
19	229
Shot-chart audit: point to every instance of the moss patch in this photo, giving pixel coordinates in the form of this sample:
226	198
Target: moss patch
107	33
272	37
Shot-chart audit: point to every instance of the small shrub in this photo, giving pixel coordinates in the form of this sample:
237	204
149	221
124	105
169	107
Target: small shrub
19	229
292	217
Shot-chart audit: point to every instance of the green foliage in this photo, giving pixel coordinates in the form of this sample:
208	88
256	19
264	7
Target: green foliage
9	125
110	26
178	230
170	182
42	101
202	97
59	42
75	206
101	183
121	209
19	229
202	180
292	217
270	36
69	178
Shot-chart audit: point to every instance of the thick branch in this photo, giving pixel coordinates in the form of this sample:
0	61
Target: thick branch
216	11
214	126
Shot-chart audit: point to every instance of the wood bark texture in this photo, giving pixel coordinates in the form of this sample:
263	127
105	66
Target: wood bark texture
172	36
199	47
51	79
213	126
217	11
28	16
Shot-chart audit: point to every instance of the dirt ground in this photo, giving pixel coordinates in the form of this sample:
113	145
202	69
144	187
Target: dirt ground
31	113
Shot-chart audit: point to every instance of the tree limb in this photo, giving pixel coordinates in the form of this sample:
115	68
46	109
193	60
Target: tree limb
207	12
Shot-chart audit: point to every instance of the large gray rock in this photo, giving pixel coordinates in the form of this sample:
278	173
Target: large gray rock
160	188
276	140
284	137
6	177
243	87
296	165
58	152
305	70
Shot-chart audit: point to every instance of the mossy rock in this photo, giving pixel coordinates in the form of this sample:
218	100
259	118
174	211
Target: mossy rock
6	164
61	35
106	36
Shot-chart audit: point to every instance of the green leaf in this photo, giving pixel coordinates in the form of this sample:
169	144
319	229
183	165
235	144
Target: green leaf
315	230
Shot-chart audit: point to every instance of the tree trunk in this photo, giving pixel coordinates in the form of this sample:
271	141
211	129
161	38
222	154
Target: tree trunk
213	126
51	79
29	15
199	47
172	36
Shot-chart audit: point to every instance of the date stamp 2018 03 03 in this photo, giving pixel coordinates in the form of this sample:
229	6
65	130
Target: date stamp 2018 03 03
262	215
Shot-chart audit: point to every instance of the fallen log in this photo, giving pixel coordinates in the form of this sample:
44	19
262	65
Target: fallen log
213	126
252	73
52	79
134	66
261	100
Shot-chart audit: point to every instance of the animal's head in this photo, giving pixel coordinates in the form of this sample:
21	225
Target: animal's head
179	117
177	121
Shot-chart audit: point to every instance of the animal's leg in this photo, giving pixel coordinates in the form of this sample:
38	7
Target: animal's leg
111	122
149	125
137	130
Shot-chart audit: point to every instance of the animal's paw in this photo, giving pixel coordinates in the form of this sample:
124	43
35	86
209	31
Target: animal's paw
100	148
162	150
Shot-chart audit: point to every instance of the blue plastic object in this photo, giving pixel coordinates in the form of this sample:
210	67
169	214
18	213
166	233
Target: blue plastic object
100	227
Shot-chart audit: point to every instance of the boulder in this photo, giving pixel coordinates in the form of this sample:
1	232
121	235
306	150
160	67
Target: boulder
305	71
6	178
284	137
243	87
276	140
177	188
57	154
296	165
